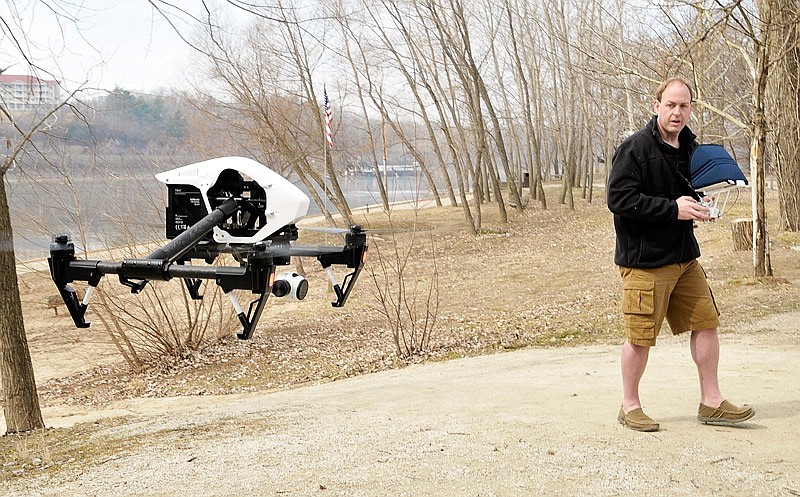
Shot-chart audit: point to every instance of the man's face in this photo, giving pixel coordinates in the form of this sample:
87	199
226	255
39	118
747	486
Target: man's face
674	109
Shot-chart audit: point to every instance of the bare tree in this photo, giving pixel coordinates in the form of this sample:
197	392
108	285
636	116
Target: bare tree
21	402
349	37
760	34
270	75
783	90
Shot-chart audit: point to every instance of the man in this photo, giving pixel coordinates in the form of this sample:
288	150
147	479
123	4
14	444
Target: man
655	208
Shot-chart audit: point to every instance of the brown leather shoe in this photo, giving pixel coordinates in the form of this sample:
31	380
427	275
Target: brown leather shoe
637	420
725	414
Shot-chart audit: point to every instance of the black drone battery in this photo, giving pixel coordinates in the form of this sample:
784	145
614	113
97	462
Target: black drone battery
185	208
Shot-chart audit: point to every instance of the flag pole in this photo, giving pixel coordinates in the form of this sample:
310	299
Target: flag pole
328	137
325	153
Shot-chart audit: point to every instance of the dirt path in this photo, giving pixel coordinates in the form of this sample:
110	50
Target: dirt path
530	422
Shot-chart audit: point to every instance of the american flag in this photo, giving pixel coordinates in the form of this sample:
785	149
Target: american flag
328	118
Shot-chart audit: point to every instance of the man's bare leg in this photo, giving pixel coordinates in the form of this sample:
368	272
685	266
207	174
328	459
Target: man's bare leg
634	361
705	353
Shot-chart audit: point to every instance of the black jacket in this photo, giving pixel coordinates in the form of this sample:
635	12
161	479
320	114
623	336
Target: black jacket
646	178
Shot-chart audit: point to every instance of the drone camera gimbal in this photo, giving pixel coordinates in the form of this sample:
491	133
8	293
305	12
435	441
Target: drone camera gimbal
213	209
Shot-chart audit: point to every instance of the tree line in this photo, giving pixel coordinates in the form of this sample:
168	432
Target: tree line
124	118
482	94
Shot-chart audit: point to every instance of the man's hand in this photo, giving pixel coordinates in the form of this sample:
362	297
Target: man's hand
689	208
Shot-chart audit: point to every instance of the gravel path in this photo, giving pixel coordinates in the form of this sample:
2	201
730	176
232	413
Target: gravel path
530	422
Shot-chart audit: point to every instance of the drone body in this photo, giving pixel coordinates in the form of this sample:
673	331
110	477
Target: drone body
197	189
227	205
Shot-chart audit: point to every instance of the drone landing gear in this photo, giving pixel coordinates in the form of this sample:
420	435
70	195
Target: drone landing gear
193	287
249	320
353	255
347	283
76	309
62	255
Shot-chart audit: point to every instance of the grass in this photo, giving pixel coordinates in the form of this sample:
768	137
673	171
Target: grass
61	451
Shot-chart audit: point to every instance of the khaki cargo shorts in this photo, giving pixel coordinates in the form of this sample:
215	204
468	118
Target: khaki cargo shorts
678	292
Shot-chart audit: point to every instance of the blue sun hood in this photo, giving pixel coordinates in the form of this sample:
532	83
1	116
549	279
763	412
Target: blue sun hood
712	165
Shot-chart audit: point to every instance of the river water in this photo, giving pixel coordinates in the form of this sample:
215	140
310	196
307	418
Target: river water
112	210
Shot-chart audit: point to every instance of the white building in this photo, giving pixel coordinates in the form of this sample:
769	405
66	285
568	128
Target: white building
28	92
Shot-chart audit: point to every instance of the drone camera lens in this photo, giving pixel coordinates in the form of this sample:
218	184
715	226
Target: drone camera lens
281	288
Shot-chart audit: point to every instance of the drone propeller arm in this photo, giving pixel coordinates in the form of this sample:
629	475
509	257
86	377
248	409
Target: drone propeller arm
65	268
184	242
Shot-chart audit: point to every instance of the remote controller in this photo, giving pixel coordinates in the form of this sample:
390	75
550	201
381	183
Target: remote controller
713	211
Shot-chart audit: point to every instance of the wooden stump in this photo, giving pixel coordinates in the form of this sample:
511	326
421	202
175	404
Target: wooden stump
742	234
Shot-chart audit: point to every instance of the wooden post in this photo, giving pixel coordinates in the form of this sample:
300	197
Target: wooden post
742	234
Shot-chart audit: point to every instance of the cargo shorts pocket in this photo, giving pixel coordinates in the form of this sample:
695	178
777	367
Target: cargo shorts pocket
638	306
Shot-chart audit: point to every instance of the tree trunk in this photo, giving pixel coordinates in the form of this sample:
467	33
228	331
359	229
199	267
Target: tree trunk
742	234
761	259
21	403
783	87
368	127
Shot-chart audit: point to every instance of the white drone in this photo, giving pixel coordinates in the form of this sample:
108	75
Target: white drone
227	205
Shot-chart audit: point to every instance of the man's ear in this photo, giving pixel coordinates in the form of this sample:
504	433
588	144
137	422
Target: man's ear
656	103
